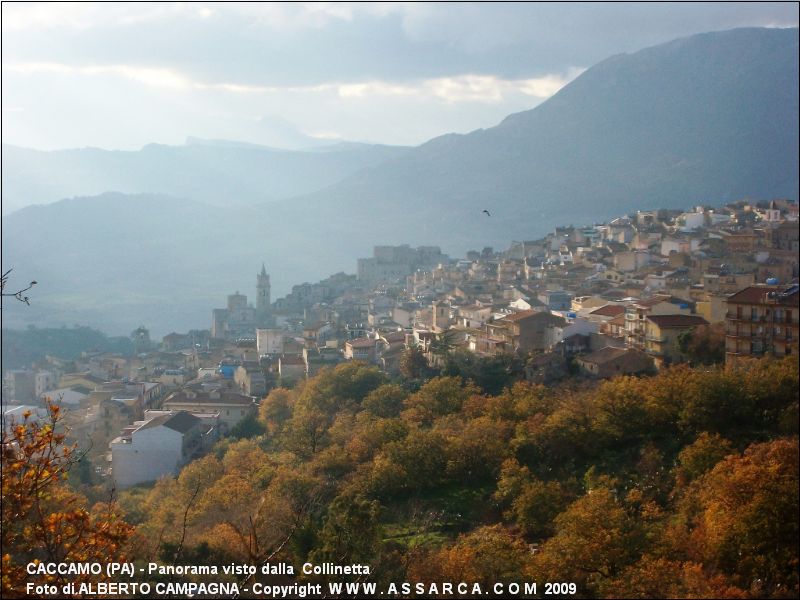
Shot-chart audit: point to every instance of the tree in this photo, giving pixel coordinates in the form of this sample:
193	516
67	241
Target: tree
413	364
703	345
276	409
351	533
248	427
595	539
748	524
438	397
44	520
19	294
386	401
443	345
488	555
700	457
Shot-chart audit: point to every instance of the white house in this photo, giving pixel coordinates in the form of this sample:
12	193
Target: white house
151	449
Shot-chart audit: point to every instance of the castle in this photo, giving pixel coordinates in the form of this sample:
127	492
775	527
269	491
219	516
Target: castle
240	319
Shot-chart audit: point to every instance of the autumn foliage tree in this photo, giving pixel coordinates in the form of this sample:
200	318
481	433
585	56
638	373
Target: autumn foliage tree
42	519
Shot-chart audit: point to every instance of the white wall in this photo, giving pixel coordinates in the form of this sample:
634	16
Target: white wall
152	453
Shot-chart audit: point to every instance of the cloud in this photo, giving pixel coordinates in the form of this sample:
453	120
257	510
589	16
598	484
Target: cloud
156	77
460	88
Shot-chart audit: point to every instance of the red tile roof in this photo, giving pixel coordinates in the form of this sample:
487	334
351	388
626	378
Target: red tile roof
609	310
757	294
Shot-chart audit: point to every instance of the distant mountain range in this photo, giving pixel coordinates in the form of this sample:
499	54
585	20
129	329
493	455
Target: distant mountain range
700	120
217	172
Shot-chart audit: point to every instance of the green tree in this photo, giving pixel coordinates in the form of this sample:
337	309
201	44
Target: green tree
413	363
385	401
704	344
438	397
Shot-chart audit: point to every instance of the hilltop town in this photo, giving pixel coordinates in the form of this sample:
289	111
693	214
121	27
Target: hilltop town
630	296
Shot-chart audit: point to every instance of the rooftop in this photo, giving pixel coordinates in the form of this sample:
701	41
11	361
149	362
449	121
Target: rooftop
677	321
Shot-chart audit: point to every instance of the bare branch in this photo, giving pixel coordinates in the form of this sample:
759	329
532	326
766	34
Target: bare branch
18	294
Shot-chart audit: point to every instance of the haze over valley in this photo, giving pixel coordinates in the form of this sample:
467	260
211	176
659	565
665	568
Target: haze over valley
119	237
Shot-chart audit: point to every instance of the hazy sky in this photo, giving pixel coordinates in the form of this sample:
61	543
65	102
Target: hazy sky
121	75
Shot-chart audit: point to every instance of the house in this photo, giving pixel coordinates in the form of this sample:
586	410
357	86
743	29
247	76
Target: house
609	362
361	349
605	313
555	299
580	303
270	341
15	414
546	368
19	385
154	448
661	335
762	319
636	313
523	331
318	332
631	260
317	358
472	315
250	379
291	368
72	397
231	406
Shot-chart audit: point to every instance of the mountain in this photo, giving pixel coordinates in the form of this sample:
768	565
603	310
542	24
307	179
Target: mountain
704	119
218	172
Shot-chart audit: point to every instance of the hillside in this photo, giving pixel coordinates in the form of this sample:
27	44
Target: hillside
212	171
704	119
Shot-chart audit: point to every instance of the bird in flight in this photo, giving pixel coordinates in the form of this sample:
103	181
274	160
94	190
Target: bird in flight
488	214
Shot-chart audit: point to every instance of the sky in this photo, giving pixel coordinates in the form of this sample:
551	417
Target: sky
122	75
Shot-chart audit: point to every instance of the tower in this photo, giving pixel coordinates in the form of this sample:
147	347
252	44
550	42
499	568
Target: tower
262	293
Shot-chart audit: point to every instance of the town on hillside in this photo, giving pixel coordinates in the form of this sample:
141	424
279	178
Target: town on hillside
629	296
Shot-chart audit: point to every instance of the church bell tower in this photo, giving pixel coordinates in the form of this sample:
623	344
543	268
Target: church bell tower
262	293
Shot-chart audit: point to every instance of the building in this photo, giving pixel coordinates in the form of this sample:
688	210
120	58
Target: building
262	294
637	312
760	320
361	349
661	335
154	448
555	299
231	406
251	380
610	362
239	319
291	368
523	331
391	263
270	341
19	386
